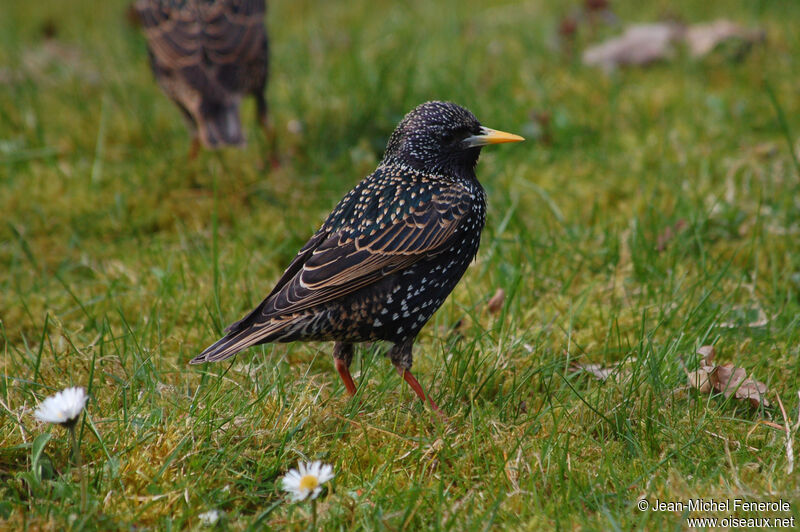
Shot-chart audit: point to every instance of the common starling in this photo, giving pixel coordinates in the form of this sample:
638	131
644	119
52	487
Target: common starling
206	55
390	252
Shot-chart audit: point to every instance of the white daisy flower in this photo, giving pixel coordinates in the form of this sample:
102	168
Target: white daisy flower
307	480
63	408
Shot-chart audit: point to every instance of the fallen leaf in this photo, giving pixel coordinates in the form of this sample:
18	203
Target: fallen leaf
700	379
639	45
702	39
726	379
708	353
734	381
495	304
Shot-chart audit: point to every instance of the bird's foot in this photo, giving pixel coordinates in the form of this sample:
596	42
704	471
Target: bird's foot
414	384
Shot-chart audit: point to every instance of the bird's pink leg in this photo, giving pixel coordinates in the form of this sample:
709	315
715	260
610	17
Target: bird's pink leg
344	373
412	381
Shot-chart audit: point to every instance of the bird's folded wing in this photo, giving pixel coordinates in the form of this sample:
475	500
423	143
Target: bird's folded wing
210	44
339	266
295	266
233	31
173	33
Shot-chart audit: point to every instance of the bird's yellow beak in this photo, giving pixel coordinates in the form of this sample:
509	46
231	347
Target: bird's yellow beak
490	136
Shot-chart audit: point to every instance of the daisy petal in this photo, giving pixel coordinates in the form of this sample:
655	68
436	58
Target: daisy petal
62	408
306	481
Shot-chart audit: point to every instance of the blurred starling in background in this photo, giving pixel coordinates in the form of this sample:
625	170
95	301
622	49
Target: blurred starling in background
390	252
206	55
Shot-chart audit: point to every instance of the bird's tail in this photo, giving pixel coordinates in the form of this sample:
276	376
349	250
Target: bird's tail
220	124
242	338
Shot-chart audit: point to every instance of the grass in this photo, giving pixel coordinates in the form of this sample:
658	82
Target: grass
120	260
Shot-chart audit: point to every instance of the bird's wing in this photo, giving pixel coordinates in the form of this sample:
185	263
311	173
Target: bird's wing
172	32
233	31
212	45
340	265
295	266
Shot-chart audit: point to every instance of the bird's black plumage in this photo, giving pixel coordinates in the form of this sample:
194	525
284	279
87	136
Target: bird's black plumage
390	252
206	55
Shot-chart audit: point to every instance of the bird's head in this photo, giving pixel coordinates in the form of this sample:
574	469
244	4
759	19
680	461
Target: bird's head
441	137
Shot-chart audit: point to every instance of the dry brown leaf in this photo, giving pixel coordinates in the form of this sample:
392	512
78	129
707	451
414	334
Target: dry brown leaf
731	380
495	304
703	38
726	379
708	353
641	44
700	379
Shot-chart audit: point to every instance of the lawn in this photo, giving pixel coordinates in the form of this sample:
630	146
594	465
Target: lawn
651	211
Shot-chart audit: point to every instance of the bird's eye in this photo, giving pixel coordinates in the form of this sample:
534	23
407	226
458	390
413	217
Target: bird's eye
448	137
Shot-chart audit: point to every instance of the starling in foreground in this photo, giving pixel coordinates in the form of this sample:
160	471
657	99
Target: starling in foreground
390	252
206	55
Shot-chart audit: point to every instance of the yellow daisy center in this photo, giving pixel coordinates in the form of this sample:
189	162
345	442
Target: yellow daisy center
309	482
